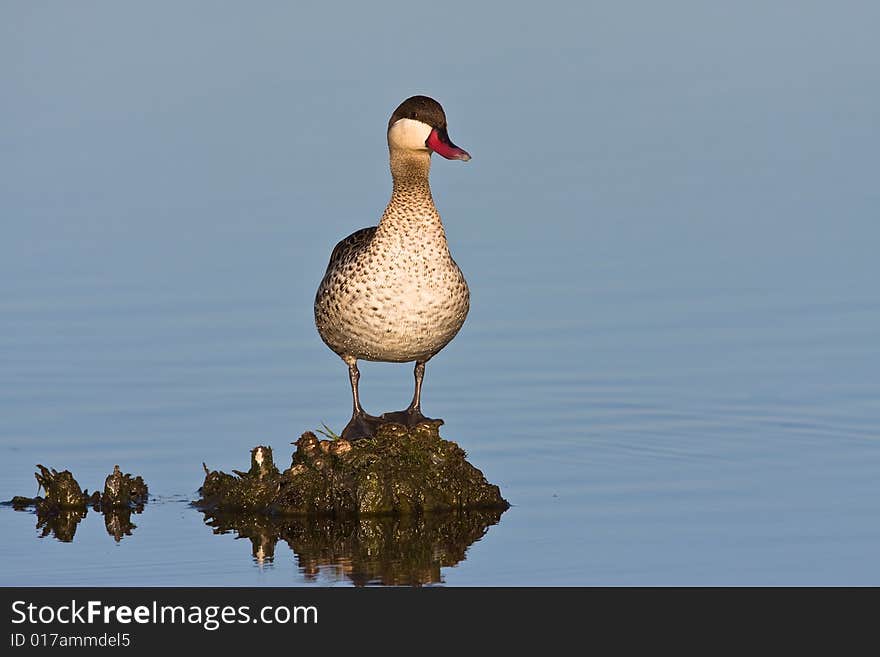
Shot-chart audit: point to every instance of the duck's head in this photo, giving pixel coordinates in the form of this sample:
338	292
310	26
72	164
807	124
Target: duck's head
419	124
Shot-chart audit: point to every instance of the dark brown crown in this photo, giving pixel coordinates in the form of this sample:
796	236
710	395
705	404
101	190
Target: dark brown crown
420	108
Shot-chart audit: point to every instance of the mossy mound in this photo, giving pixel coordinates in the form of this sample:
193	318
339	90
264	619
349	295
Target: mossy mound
63	492
399	471
66	503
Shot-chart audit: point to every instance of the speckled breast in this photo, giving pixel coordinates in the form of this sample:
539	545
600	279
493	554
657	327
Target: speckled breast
400	309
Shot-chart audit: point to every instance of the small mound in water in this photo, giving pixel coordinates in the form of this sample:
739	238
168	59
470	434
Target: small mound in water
401	470
66	504
63	492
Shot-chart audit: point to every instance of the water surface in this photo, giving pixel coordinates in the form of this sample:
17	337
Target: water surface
669	228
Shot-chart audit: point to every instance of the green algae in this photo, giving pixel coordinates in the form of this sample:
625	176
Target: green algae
399	471
65	503
121	491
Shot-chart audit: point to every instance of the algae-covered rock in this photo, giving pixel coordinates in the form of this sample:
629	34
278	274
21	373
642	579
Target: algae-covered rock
399	471
65	503
62	490
404	550
121	491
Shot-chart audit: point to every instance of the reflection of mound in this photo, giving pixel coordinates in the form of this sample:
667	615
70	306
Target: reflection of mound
405	550
60	523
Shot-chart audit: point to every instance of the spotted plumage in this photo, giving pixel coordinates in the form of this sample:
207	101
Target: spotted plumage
392	292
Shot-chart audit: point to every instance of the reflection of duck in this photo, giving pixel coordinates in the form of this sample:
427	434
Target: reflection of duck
392	292
404	550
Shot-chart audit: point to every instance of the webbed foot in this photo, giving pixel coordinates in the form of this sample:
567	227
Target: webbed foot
409	418
361	426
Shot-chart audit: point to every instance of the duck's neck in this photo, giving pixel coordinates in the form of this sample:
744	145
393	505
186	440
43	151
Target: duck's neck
409	171
411	210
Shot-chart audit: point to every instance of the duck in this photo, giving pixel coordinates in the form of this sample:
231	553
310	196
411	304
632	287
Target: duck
393	293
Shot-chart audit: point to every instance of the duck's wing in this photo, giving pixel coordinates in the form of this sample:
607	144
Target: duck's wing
350	245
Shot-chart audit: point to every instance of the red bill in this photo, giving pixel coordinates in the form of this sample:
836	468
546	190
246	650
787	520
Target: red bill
439	142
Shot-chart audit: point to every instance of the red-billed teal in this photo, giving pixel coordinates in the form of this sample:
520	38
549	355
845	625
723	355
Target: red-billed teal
392	292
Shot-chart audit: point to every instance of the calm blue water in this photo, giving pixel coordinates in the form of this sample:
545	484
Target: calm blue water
669	227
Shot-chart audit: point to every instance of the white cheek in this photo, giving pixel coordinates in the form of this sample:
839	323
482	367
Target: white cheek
410	134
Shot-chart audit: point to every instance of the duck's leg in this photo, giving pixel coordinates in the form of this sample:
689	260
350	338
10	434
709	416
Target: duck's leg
412	415
361	425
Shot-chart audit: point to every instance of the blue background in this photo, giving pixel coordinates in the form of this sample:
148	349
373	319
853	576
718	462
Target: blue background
669	228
